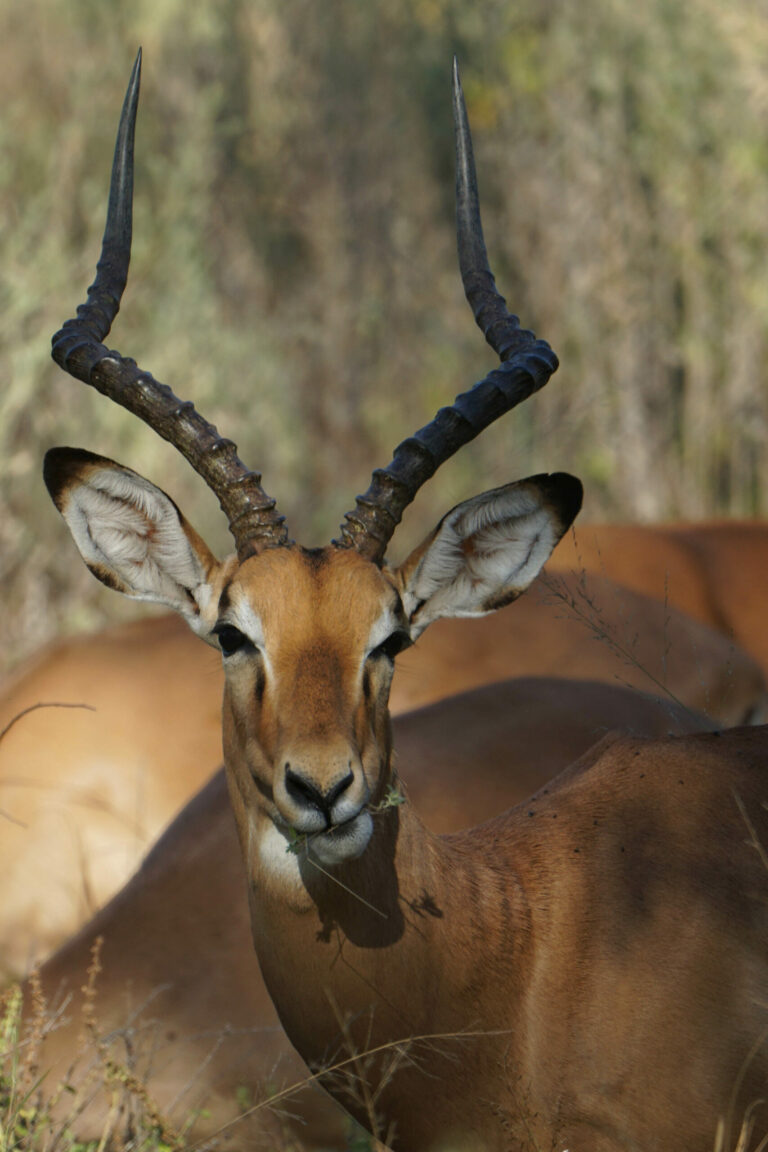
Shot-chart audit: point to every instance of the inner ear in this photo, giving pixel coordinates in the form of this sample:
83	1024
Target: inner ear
130	533
485	552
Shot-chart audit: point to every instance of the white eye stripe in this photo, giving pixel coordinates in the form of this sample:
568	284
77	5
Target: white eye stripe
242	616
382	628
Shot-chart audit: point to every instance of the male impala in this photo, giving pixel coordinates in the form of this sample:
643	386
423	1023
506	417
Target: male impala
586	972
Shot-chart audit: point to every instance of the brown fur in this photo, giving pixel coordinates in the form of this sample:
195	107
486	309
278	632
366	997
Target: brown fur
593	964
714	571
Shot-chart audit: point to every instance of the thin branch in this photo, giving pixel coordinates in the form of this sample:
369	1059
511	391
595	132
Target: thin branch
34	707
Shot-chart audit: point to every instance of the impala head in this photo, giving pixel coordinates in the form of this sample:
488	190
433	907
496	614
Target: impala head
308	637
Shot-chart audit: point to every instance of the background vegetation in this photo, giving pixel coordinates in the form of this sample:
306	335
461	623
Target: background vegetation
294	268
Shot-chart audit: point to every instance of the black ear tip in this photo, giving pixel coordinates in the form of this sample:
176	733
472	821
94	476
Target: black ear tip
61	465
55	467
568	493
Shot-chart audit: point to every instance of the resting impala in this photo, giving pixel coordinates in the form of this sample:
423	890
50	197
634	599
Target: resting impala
586	972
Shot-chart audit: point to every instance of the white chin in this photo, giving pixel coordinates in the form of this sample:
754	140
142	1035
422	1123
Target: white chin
346	842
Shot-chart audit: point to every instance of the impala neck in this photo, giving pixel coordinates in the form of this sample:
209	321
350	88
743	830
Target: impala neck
385	949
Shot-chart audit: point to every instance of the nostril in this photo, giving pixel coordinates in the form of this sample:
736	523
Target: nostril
334	793
303	791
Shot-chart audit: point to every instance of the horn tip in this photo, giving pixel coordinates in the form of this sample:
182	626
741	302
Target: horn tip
136	70
459	110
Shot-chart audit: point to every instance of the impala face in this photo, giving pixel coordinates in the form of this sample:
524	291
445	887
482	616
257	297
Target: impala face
308	637
307	685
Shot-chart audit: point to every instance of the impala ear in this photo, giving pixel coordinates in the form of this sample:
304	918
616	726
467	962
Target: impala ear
486	551
131	535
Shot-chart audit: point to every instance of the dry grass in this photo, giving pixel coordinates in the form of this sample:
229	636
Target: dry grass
39	1116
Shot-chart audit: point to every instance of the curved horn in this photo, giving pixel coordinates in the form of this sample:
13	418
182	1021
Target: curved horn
527	364
77	348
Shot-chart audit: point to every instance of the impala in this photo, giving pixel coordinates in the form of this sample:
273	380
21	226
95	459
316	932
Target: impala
197	1041
588	971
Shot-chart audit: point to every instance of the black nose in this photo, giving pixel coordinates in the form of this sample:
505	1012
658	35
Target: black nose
304	792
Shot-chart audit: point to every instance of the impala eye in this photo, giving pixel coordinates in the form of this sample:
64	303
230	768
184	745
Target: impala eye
230	639
393	644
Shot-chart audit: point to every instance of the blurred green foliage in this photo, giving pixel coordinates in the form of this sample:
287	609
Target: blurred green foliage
294	267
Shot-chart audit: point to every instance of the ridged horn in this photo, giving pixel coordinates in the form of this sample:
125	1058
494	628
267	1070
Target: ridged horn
527	364
77	347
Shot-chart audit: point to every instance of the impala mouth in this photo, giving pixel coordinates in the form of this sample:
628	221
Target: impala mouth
334	845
